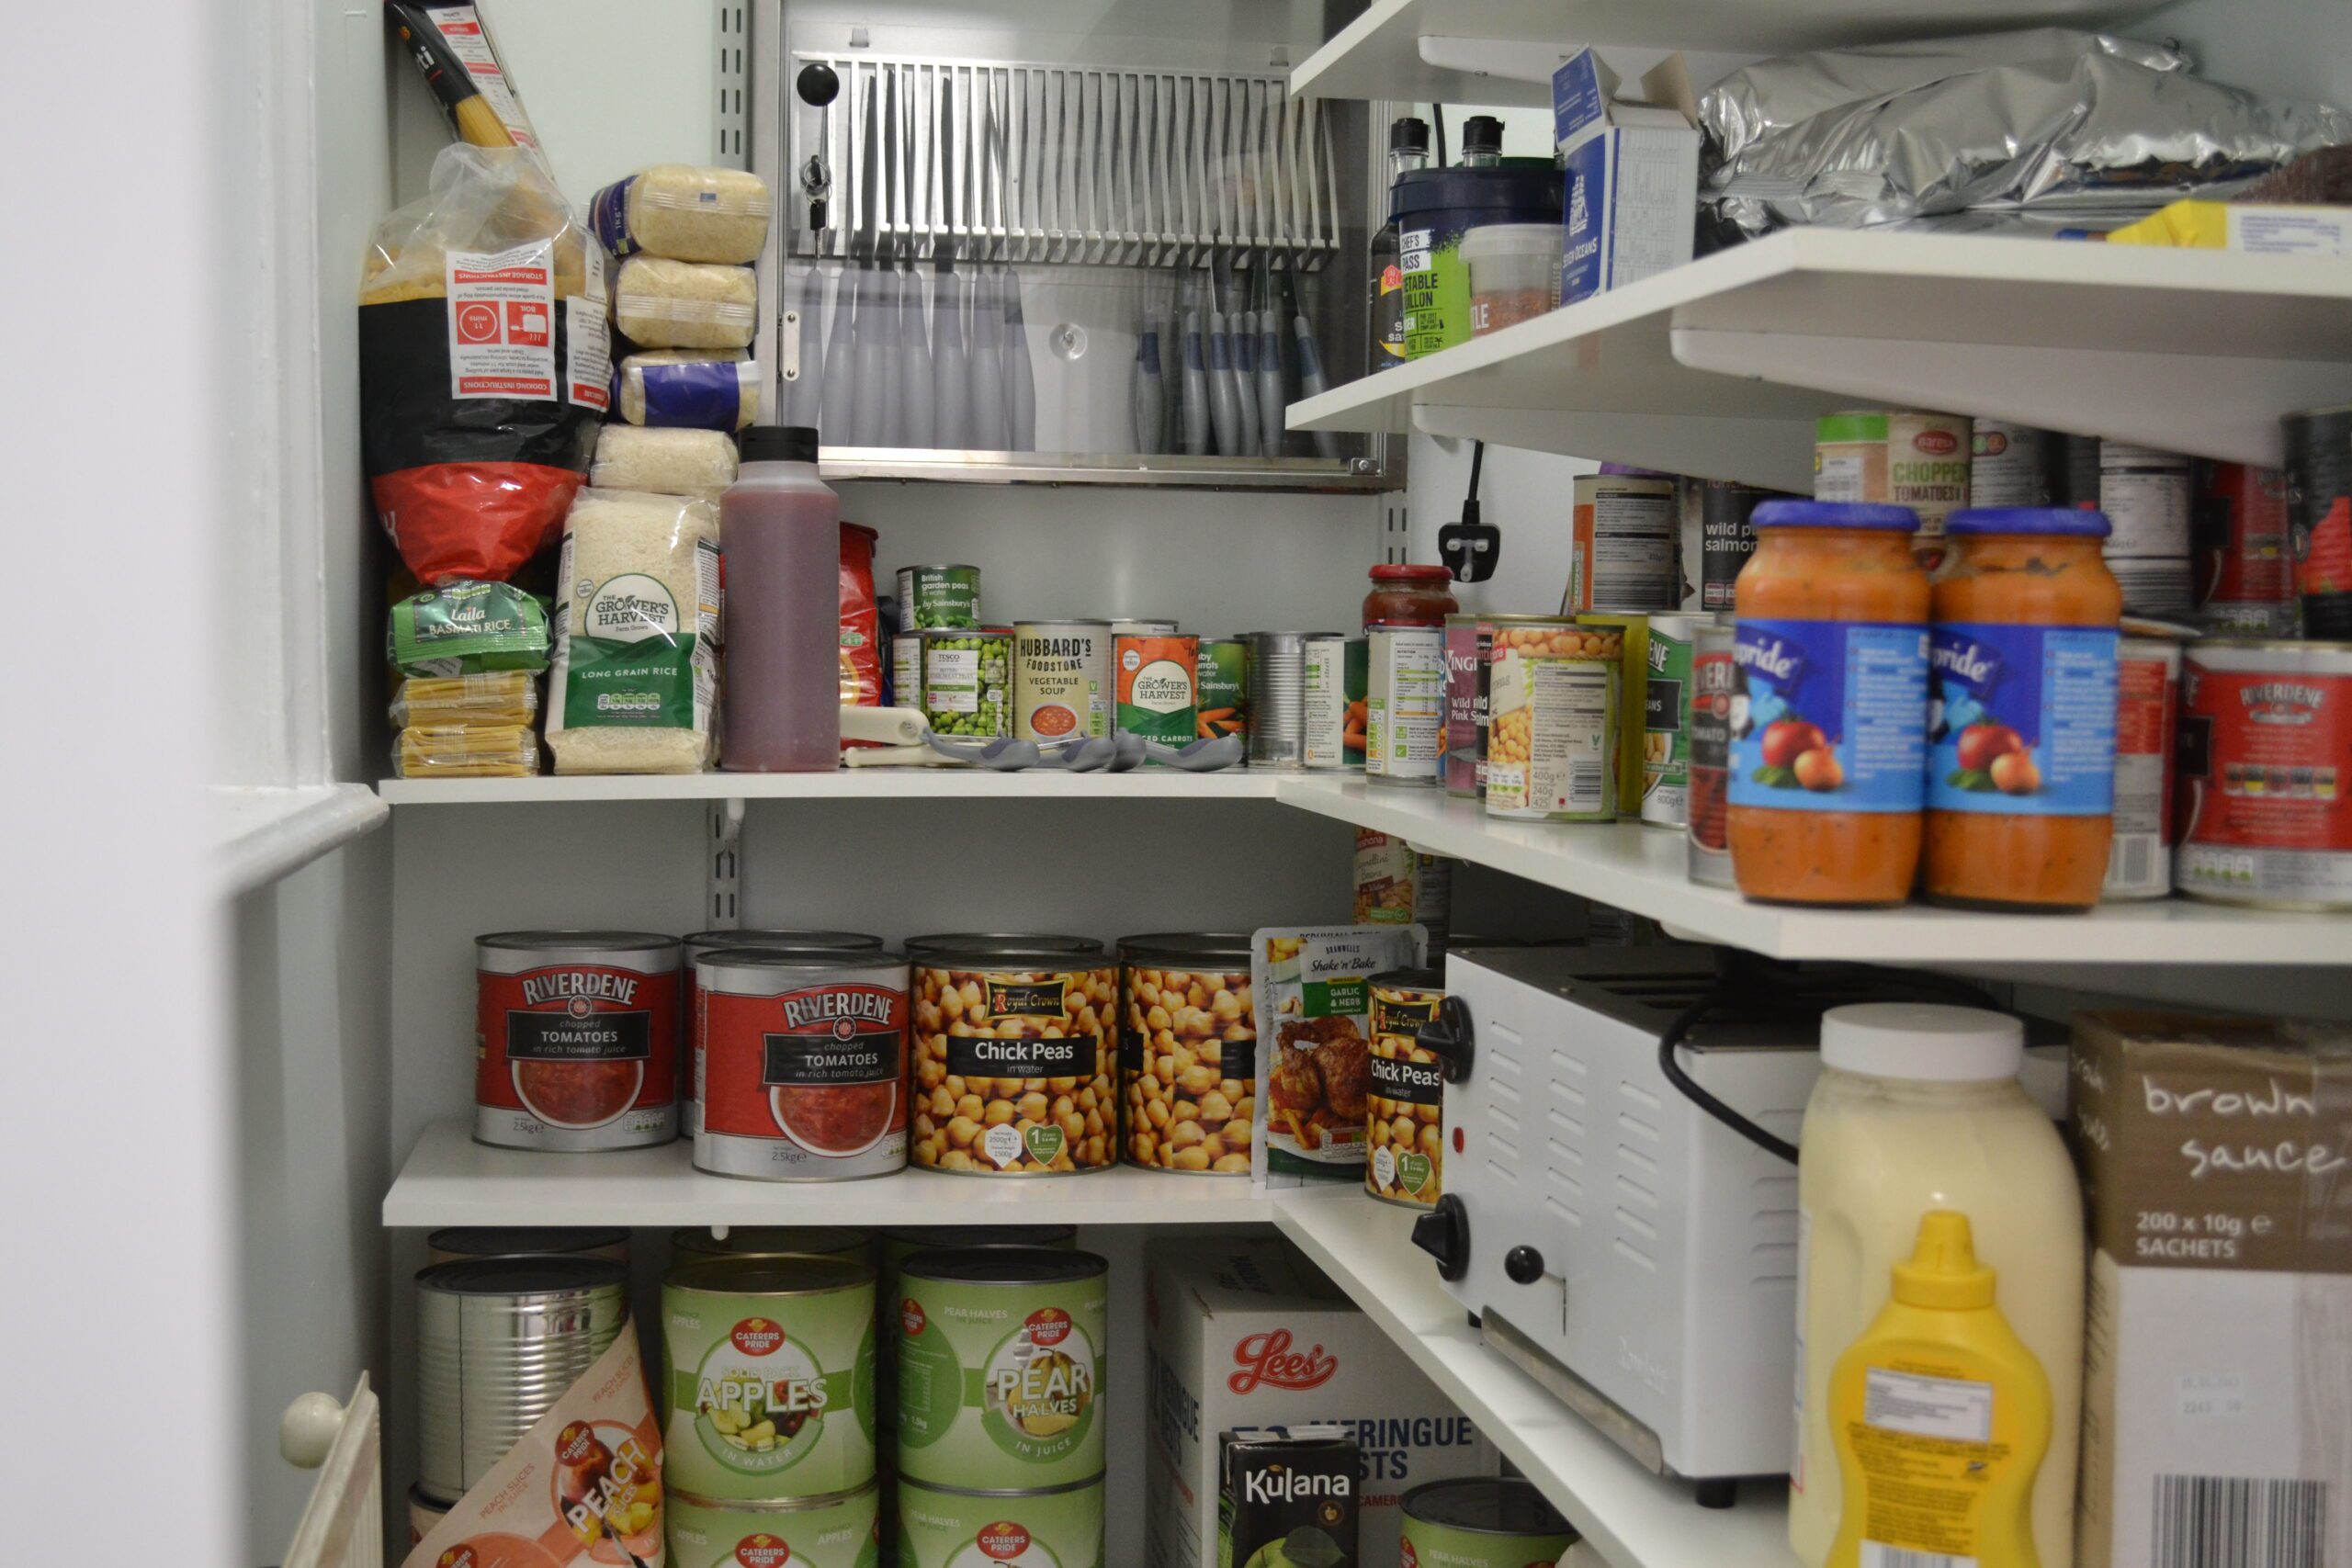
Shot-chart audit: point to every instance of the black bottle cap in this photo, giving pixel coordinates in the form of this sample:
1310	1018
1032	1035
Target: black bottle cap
1482	133
1409	135
778	444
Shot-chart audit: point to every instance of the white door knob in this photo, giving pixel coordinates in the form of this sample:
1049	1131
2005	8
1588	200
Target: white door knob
308	1430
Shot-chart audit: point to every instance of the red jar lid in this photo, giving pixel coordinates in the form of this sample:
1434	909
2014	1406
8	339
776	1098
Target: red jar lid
1404	572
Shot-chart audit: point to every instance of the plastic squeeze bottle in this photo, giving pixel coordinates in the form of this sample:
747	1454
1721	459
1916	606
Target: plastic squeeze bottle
1942	1416
779	526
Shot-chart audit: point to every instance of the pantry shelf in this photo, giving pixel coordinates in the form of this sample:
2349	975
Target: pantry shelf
449	1179
1445	50
1637	1519
1720	368
1640	869
846	784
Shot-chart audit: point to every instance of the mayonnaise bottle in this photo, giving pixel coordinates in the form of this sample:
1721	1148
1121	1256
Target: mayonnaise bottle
1918	1108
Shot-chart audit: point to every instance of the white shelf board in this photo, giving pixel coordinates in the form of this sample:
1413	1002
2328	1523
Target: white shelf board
1408	50
261	834
449	1179
1719	368
1637	1519
844	783
1642	869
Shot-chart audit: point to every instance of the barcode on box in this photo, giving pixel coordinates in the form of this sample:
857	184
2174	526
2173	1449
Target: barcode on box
1878	1554
2229	1521
1587	786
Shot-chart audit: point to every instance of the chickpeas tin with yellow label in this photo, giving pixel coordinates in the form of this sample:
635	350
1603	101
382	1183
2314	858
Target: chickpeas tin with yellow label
1404	1109
768	1370
1001	1358
1554	713
1013	1060
1188	1052
842	1532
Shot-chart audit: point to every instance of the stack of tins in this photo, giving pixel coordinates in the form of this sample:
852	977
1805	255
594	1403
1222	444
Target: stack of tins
1014	1055
576	1040
1000	1436
1188	1050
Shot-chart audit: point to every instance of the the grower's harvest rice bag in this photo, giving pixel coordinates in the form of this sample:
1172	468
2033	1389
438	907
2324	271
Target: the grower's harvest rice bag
636	624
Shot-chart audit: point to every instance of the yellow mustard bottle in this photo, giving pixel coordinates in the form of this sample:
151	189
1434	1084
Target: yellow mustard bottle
1942	1416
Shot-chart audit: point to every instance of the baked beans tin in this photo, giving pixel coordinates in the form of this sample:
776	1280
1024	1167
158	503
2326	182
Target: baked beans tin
2265	743
1478	1521
1324	704
2147	697
768	1379
1404	704
1000	1356
803	1061
576	1040
944	1527
1666	706
1404	1108
499	1340
1062	679
2243	580
1469	639
450	1245
767	1241
1552	716
1623	528
1188	1052
844	1531
1715	684
1013	1059
701	942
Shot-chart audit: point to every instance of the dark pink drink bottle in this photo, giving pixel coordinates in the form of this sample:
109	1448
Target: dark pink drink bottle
780	526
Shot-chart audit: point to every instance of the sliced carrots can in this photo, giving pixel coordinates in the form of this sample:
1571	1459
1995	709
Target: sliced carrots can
1221	687
1157	683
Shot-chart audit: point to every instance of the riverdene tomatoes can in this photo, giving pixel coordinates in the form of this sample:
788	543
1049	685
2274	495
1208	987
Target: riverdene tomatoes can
690	994
1013	1053
2265	736
803	1061
1001	1358
1478	1521
946	1527
768	1376
576	1040
796	1532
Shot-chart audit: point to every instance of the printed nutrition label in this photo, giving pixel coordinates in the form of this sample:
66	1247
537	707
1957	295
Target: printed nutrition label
502	322
1954	1409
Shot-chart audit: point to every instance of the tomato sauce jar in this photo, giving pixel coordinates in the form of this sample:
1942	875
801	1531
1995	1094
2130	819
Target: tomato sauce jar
1831	651
804	1064
576	1040
2021	704
1407	595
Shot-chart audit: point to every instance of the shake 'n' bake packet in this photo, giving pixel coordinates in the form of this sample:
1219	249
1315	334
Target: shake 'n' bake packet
1313	985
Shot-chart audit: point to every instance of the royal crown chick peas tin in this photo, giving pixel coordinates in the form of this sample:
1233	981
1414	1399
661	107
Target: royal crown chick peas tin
1013	1059
1001	1359
1404	1109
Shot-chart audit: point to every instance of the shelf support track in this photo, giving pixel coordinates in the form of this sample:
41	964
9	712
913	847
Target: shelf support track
723	864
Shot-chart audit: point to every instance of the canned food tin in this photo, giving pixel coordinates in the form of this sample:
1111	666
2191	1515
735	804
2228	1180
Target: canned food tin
423	1512
2245	574
1000	1356
941	1527
1478	1521
1221	688
1013	1061
1405	1105
990	944
689	1241
965	681
2005	467
1632	697
893	1246
700	942
1154	677
939	596
803	1055
2070	468
525	1241
499	1340
1062	679
1188	1050
1396	885
1323	701
1726	536
767	1382
842	1531
1714	683
2319	516
1553	717
1404	703
1468	641
1275	701
1143	629
1666	704
1919	460
2145	494
2266	735
2147	696
576	1040
1622	539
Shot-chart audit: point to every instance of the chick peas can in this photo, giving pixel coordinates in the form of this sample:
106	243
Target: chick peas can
1013	1062
768	1376
1001	1358
1188	1052
1553	695
941	1527
840	1531
1404	1127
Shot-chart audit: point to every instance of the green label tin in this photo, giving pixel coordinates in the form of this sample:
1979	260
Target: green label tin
1221	687
939	596
966	682
812	1533
1059	1528
768	1385
1665	703
1478	1521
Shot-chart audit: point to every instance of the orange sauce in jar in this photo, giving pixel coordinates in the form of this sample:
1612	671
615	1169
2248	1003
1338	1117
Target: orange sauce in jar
2021	761
1831	653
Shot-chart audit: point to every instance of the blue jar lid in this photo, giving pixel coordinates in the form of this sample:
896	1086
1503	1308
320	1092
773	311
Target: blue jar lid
1835	515
2069	522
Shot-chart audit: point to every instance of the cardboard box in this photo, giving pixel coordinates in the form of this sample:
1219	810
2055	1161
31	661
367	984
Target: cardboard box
2217	1353
1246	1335
1633	174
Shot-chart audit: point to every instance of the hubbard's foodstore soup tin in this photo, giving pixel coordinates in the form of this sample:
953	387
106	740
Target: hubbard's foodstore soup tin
525	1241
1013	1059
1001	1366
576	1040
767	1381
803	1056
499	1340
941	1527
766	1241
1482	1522
1188	1052
1404	1130
842	1531
1062	679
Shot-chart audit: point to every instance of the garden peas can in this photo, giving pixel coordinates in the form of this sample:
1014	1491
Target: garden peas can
966	682
768	1370
1001	1366
939	596
1478	1521
946	1527
842	1532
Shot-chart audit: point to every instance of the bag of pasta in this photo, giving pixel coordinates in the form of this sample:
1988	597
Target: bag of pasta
484	365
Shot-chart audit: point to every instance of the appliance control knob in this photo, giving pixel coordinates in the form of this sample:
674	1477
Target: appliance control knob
1447	1037
1523	1265
1444	1233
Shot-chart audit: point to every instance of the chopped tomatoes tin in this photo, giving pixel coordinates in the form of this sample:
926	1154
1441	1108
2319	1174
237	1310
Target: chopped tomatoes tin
804	1063
2265	773
576	1040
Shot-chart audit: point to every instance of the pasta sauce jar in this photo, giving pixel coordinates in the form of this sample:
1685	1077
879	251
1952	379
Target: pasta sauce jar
1407	595
2021	701
804	1056
576	1040
1827	770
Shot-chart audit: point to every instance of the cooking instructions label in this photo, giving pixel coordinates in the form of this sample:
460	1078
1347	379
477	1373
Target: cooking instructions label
502	322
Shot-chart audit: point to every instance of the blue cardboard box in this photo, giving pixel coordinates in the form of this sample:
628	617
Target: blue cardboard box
1632	169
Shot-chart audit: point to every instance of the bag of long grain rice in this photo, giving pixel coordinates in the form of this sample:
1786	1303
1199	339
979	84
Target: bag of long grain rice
636	626
701	388
484	365
699	463
660	303
679	210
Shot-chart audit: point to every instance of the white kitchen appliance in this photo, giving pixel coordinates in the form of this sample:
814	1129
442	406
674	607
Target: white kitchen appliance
1634	1254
